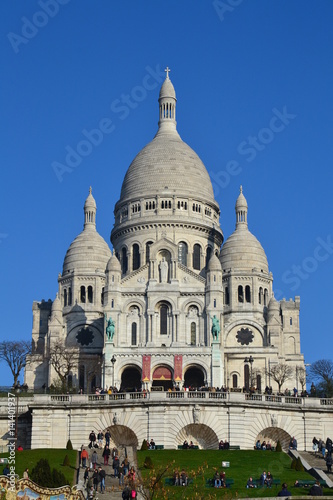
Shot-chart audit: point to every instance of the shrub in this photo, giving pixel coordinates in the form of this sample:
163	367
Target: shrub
42	475
293	464
69	445
299	466
148	463
66	461
144	445
278	446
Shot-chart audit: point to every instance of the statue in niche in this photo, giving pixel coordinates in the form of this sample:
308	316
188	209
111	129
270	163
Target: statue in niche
110	327
164	268
215	327
196	414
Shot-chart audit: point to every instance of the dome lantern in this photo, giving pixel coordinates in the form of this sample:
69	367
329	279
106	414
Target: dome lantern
167	105
241	210
90	211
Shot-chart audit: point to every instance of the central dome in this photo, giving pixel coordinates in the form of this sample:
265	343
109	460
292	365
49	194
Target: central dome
167	165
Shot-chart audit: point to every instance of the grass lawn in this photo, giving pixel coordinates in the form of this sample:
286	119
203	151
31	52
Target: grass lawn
29	458
243	464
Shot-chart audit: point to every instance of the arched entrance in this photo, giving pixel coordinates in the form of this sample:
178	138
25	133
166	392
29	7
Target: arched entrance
162	377
131	380
201	435
194	377
273	435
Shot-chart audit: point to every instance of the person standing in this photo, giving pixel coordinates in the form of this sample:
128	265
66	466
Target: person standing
92	439
84	457
106	454
115	465
101	478
94	459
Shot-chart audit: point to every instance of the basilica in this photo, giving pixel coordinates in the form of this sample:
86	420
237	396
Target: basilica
172	304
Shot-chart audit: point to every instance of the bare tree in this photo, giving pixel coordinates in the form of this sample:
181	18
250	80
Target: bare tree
14	353
280	373
63	359
321	372
301	376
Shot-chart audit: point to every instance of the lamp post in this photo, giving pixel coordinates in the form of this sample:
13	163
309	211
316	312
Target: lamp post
250	360
113	360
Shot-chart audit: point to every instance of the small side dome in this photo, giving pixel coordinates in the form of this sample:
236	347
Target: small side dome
214	264
113	264
273	304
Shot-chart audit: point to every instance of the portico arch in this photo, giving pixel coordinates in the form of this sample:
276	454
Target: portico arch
194	376
131	379
273	435
163	377
121	436
201	435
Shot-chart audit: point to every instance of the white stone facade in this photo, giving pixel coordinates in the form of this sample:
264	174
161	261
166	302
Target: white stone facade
168	276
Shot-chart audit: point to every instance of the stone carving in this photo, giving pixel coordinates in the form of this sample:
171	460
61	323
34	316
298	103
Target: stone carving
244	336
115	419
274	420
110	328
215	327
164	268
196	414
141	279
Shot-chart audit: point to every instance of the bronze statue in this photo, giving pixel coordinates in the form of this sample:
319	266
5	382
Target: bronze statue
110	328
215	327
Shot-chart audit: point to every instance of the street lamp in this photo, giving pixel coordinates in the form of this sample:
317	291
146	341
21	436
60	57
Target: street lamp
113	360
250	360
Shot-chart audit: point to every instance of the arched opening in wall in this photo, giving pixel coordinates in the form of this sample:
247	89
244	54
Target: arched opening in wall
258	382
81	377
196	257
260	295
65	297
124	265
90	294
208	254
162	377
69	296
248	293
182	253
240	294
201	435
133	334
70	381
193	333
246	377
234	381
226	296
135	257
83	294
148	245
273	435
164	319
265	297
130	380
194	377
121	435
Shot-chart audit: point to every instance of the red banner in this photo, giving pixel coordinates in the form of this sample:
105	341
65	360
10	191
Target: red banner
146	368
178	369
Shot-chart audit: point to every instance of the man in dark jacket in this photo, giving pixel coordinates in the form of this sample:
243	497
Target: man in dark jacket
284	492
316	490
115	465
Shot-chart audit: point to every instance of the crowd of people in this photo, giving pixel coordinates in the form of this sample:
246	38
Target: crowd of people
95	475
325	450
265	445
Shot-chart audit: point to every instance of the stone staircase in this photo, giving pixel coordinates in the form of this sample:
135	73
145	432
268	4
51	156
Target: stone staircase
315	465
112	488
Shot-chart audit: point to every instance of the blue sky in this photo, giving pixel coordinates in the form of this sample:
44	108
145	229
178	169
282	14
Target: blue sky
254	83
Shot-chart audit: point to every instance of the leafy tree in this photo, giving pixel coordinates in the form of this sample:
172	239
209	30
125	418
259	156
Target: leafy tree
14	354
280	373
42	475
321	372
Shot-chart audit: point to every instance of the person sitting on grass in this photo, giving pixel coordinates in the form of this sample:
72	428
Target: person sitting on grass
217	480
269	480
258	445
251	483
183	478
223	479
176	478
284	492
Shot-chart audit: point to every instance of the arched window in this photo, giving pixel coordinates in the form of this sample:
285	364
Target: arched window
240	294
234	381
134	329
248	293
208	255
196	257
246	377
102	296
193	333
83	294
136	257
90	294
69	296
260	295
265	297
70	381
65	297
148	245
124	260
226	296
81	377
182	253
164	319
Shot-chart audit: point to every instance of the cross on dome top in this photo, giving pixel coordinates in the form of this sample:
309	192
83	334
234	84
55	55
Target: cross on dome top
167	70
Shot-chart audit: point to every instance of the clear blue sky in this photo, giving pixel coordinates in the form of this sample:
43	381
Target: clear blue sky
235	65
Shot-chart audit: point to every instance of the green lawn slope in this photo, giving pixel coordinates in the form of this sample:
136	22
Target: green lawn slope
243	464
